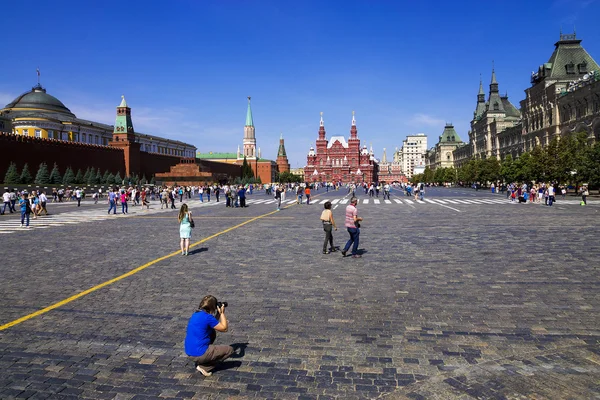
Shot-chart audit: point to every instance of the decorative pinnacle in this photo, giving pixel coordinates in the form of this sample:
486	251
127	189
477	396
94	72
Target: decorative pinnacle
353	120
321	123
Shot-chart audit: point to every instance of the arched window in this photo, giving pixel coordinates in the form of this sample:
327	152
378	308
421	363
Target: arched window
496	106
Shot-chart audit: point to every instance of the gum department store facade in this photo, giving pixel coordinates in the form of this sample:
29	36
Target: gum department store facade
564	98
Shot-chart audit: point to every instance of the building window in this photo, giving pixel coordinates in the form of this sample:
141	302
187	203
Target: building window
496	107
582	68
83	137
570	68
26	132
38	133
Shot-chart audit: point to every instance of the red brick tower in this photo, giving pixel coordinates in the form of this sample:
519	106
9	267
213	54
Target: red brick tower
282	161
124	138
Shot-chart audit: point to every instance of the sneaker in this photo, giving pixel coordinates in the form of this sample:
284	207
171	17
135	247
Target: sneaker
332	250
203	371
326	252
22	225
356	256
344	253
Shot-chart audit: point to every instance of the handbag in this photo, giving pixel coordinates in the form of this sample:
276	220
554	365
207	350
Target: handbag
192	224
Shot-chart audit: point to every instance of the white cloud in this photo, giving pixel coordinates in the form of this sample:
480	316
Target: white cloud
426	120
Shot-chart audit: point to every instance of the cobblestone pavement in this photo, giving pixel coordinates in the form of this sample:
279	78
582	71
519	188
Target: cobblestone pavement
480	300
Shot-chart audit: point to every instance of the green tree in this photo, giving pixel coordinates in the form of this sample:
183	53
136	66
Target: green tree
86	175
153	181
507	169
118	180
42	177
12	175
98	179
110	179
538	164
428	175
69	177
246	170
450	175
438	176
26	176
143	181
79	176
55	177
91	178
590	170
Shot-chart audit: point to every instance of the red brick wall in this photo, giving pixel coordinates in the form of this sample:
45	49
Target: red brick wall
34	151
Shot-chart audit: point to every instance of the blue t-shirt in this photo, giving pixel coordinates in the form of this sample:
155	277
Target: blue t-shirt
197	337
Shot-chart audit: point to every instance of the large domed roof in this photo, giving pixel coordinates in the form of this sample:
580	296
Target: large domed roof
37	98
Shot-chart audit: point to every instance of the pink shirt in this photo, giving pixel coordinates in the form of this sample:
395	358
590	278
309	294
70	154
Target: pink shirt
123	198
351	212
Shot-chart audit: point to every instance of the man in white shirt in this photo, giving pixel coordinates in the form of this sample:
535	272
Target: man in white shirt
78	196
551	195
6	199
43	201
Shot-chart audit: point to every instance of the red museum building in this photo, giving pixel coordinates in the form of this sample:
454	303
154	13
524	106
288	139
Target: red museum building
338	160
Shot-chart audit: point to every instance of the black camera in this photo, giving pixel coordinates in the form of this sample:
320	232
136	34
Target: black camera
221	304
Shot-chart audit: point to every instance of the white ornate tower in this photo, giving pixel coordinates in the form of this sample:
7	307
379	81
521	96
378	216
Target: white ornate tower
249	136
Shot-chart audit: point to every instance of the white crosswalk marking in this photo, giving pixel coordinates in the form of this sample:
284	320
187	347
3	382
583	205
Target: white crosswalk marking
335	201
376	201
366	201
344	201
398	201
387	201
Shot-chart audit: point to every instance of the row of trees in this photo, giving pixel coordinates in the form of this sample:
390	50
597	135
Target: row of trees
570	160
91	176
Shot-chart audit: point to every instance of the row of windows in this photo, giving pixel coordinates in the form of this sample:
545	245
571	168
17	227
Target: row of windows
99	140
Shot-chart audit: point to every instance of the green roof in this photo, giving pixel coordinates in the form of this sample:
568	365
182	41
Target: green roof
449	135
216	156
249	120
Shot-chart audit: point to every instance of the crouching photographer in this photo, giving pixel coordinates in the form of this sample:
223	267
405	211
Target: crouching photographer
201	333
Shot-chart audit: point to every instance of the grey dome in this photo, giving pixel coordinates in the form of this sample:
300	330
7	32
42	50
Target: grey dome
38	98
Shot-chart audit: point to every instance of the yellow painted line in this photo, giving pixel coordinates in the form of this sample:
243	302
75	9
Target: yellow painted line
209	217
125	275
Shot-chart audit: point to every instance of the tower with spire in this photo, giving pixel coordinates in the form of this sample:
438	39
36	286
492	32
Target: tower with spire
124	138
490	119
282	161
249	142
480	108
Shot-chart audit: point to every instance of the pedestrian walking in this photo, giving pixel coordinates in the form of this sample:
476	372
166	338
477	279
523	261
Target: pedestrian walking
25	210
124	208
43	201
6	199
78	194
278	197
328	225
112	201
352	224
584	194
186	223
307	193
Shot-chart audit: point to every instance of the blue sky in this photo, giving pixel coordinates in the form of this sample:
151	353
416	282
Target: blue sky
186	66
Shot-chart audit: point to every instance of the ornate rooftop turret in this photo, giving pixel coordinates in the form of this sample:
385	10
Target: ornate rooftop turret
282	160
249	142
321	128
353	131
494	102
480	108
123	123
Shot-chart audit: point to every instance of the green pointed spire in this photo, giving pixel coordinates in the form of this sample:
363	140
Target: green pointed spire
249	121
123	102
